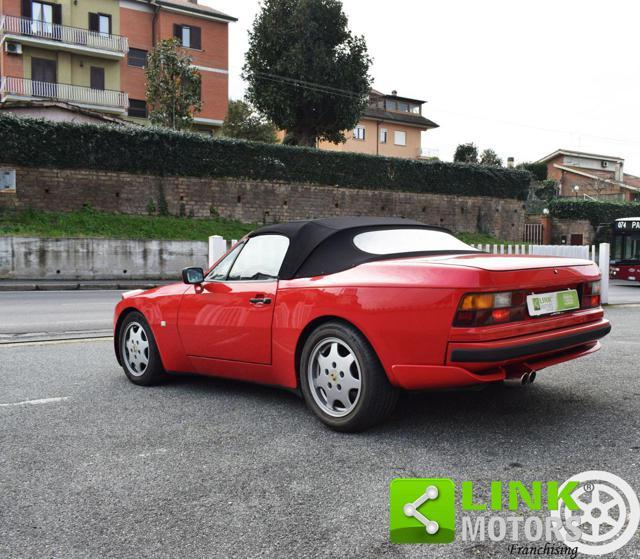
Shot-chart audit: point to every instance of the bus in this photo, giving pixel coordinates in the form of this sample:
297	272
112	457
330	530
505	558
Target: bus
625	249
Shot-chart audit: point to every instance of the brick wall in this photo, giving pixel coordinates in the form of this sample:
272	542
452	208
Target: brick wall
587	186
563	229
259	202
213	57
8	199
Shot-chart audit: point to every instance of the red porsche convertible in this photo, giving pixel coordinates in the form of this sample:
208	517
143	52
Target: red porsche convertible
350	310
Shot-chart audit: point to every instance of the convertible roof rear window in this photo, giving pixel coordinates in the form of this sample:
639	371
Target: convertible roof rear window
327	246
394	241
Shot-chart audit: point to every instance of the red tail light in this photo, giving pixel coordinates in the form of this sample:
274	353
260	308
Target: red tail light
591	295
483	309
501	315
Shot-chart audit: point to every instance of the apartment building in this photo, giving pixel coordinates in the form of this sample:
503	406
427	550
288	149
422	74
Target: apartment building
391	125
65	58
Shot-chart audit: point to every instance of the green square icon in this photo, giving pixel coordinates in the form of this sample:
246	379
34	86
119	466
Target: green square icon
422	510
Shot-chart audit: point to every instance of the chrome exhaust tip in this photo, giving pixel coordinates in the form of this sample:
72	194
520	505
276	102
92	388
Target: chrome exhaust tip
520	380
532	377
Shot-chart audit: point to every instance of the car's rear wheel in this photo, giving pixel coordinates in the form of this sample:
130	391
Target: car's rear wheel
138	351
342	380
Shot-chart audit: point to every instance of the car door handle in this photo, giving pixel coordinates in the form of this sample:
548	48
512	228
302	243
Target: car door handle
260	301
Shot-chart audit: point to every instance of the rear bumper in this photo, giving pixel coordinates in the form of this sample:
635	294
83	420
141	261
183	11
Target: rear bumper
536	345
483	362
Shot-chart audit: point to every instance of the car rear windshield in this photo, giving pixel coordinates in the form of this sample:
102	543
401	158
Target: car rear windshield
397	241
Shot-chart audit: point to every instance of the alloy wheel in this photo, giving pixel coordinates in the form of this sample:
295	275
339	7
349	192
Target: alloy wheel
135	346
334	377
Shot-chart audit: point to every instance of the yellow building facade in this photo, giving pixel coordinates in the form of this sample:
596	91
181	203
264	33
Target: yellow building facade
392	126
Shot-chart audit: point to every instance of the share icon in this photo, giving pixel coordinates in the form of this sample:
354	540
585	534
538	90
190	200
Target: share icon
411	509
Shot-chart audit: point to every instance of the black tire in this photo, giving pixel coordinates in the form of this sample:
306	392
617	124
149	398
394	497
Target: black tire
376	398
153	371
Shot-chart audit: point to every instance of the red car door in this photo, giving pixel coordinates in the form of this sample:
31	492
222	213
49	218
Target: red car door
229	316
228	320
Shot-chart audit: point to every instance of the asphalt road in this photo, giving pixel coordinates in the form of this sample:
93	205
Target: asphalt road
624	292
209	468
30	315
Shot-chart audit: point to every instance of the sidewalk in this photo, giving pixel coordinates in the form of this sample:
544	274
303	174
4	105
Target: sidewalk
624	293
70	285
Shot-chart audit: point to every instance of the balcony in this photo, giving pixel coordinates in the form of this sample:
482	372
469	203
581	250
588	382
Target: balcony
104	100
62	37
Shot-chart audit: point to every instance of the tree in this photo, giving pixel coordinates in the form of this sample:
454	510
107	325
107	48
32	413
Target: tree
600	186
466	153
173	86
243	122
306	71
489	158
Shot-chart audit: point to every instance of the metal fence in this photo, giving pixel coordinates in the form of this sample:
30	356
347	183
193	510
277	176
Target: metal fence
22	87
533	233
13	25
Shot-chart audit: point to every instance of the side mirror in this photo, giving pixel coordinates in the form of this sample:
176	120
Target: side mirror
193	276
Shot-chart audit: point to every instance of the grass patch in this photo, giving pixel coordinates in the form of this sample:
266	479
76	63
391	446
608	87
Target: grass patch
90	223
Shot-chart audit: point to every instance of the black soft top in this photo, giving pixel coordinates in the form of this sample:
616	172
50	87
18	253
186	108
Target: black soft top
325	246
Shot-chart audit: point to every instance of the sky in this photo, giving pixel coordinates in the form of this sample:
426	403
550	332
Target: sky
521	77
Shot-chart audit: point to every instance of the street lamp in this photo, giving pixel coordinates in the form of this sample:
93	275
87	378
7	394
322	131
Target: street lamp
545	211
576	189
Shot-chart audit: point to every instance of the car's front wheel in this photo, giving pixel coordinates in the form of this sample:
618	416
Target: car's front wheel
138	351
342	380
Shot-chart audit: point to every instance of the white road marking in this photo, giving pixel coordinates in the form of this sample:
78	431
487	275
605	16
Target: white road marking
157	451
36	402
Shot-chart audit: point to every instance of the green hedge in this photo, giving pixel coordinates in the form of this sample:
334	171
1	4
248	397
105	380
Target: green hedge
39	143
596	212
538	170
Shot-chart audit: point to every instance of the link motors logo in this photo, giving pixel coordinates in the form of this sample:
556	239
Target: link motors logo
594	512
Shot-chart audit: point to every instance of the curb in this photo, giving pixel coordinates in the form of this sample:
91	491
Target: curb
75	286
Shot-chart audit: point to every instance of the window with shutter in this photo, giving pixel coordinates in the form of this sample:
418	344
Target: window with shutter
400	138
57	14
189	36
137	58
97	78
26	9
195	38
94	25
137	108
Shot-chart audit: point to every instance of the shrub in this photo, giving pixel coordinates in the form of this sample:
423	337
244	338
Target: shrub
39	143
596	212
538	170
548	191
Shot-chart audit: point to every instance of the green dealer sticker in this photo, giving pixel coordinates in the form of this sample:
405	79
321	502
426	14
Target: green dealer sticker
558	301
422	510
